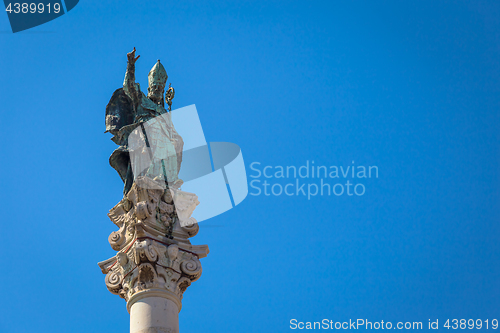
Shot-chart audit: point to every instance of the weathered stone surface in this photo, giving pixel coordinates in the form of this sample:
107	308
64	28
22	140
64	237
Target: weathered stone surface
154	315
154	251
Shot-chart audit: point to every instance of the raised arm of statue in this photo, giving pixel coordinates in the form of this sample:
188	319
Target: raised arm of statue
129	85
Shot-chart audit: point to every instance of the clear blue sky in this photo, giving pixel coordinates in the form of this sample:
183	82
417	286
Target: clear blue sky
411	87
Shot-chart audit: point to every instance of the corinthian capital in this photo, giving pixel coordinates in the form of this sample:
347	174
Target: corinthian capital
155	256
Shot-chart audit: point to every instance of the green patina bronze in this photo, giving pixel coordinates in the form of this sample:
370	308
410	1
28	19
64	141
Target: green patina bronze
130	108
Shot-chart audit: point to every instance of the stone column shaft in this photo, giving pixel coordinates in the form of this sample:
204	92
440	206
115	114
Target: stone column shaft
154	315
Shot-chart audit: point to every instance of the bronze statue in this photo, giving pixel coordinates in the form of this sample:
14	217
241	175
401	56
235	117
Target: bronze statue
130	108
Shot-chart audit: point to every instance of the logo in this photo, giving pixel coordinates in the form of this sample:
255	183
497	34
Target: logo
213	172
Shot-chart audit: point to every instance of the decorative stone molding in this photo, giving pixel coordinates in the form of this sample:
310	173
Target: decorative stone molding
155	256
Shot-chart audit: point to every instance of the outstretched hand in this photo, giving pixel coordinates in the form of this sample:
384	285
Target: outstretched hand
131	57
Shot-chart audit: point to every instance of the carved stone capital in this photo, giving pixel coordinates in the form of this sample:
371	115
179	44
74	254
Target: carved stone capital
155	256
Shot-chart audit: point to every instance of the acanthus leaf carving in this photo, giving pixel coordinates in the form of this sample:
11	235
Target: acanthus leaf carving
149	254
